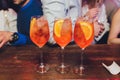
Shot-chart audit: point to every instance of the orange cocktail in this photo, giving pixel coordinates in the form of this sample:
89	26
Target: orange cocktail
39	34
62	34
62	31
83	36
83	33
39	31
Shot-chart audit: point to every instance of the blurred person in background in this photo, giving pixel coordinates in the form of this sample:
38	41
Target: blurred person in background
28	8
51	9
96	10
111	9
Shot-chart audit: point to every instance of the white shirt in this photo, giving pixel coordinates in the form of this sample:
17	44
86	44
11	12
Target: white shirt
8	20
57	9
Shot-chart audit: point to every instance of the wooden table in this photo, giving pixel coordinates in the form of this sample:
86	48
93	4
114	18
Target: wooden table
19	62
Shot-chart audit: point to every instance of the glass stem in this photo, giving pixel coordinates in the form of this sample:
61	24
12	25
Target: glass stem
62	57
82	56
41	58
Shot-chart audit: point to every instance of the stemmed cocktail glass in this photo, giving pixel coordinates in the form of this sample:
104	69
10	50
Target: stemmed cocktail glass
83	36
62	34
39	34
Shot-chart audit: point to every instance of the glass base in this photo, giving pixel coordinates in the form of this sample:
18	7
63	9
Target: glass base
63	69
80	70
42	68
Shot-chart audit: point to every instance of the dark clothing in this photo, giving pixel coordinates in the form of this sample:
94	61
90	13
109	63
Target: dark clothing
103	40
34	7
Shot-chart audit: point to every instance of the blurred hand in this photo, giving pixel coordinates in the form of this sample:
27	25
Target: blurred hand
92	13
98	28
5	36
102	28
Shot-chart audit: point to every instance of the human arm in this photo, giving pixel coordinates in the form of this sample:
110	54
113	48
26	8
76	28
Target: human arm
7	36
90	13
115	29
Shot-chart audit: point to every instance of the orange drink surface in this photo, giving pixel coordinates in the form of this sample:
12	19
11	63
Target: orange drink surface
83	33
62	32
39	31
